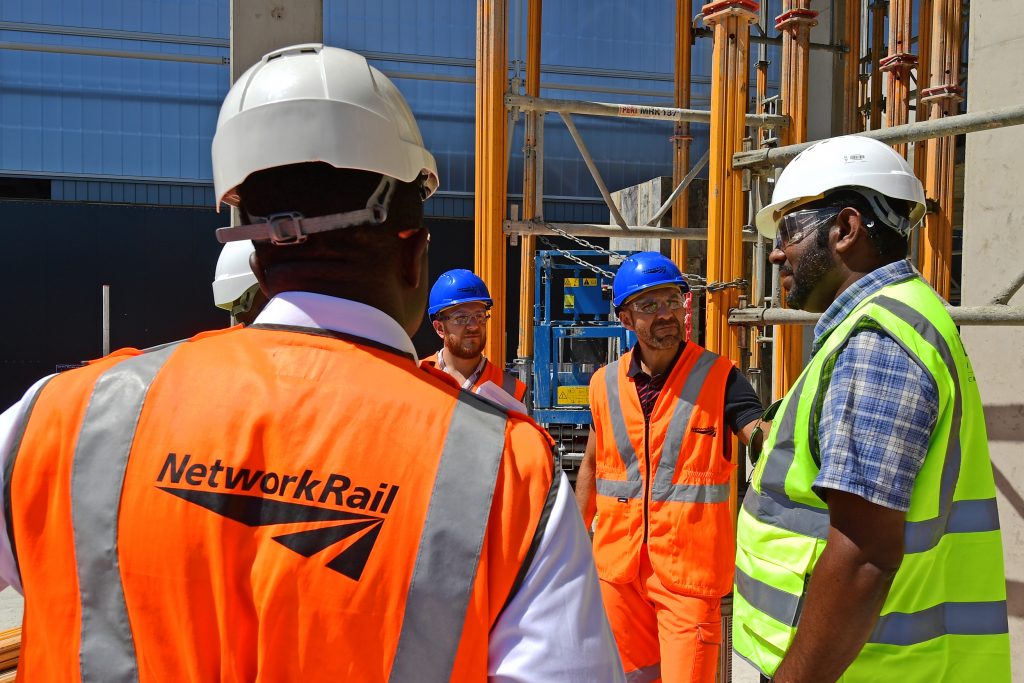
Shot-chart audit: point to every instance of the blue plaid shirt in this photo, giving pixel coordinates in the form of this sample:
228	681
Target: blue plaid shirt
880	406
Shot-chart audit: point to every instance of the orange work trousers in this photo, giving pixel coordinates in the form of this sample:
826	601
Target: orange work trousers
662	635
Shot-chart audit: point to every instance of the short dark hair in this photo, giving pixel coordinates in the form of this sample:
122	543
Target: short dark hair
319	189
889	244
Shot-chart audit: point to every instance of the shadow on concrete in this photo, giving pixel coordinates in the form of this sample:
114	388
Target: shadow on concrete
1005	423
1015	598
1005	487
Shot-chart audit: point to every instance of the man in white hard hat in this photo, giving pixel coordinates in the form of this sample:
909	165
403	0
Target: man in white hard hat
297	499
868	545
235	288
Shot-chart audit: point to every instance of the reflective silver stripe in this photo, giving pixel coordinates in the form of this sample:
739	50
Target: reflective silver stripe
645	674
662	488
508	384
622	443
450	543
780	457
616	488
965	517
697	493
778	511
778	604
107	650
946	618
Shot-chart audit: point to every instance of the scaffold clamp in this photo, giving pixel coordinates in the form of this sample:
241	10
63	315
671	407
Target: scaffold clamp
795	17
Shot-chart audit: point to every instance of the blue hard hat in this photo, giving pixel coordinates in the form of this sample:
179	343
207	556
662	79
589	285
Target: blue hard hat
457	287
644	270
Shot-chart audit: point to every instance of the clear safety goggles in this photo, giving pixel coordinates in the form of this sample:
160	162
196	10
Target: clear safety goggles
464	319
796	225
653	306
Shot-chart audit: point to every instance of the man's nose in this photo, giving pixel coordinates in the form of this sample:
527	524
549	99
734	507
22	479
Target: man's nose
776	256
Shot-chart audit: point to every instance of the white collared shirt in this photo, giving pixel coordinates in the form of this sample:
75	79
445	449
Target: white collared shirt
553	629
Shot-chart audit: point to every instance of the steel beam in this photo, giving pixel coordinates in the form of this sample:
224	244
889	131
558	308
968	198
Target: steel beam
993	314
533	190
911	132
681	139
101	52
597	230
630	111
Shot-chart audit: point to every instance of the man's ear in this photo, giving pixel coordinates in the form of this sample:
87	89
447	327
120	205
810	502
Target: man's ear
850	230
438	327
626	318
414	256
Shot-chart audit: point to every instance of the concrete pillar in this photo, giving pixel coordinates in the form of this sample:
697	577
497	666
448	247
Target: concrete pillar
259	26
993	255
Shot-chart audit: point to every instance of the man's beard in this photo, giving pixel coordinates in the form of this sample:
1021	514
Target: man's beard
468	349
666	335
810	271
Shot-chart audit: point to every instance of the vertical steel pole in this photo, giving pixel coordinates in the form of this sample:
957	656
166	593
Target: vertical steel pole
491	167
851	68
878	10
681	138
898	64
942	98
795	25
106	320
531	181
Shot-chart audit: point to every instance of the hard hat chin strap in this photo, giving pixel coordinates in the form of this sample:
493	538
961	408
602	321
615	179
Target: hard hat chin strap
292	227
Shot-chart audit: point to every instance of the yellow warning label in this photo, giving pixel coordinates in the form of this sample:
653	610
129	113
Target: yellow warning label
568	301
574	395
575	282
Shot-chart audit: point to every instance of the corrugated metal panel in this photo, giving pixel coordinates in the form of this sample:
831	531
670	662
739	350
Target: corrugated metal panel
93	115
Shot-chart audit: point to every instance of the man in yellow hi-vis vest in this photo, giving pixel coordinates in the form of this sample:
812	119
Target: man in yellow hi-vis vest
868	545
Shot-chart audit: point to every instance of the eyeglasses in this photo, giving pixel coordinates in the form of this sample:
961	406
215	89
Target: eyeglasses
654	306
464	319
797	225
757	435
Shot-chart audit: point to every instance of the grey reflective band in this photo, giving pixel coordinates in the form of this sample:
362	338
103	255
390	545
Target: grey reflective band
645	674
946	618
8	474
780	457
778	511
778	604
662	488
450	543
622	443
508	384
965	517
107	650
696	493
617	488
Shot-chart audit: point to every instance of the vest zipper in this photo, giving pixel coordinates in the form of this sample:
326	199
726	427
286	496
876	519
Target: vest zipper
647	471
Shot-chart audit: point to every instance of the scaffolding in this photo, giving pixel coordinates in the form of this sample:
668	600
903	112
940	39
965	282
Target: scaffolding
745	320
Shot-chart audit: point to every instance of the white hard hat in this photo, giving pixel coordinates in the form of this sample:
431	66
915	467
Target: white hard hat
308	103
858	163
234	276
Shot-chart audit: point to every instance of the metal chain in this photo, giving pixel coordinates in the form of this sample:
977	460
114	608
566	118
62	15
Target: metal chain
698	284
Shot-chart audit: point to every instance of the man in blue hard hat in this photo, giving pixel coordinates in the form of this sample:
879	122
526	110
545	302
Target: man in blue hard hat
458	307
657	468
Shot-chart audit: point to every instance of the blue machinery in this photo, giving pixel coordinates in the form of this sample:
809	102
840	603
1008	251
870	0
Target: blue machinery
575	333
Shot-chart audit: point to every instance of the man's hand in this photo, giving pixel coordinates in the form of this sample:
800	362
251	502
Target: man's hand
847	590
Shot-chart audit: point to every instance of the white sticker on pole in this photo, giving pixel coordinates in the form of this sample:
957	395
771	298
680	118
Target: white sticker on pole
637	111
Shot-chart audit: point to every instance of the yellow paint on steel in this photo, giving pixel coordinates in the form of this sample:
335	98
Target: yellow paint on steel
681	140
796	41
941	99
491	168
730	22
531	208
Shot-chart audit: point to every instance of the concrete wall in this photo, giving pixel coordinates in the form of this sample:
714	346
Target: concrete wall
993	255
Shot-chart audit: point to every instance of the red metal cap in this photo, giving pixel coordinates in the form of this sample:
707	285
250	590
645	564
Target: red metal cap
794	16
715	7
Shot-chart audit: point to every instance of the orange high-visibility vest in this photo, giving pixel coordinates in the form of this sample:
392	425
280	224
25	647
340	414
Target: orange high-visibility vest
491	373
665	481
268	504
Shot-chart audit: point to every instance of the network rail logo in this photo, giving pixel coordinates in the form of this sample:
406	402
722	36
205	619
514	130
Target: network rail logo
227	491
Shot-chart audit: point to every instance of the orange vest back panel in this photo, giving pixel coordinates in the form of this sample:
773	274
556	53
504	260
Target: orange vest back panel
272	514
666	478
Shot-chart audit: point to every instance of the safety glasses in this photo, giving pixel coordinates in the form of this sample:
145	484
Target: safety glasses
465	318
654	306
797	225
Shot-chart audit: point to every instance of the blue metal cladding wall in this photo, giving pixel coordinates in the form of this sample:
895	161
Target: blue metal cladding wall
111	119
139	131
